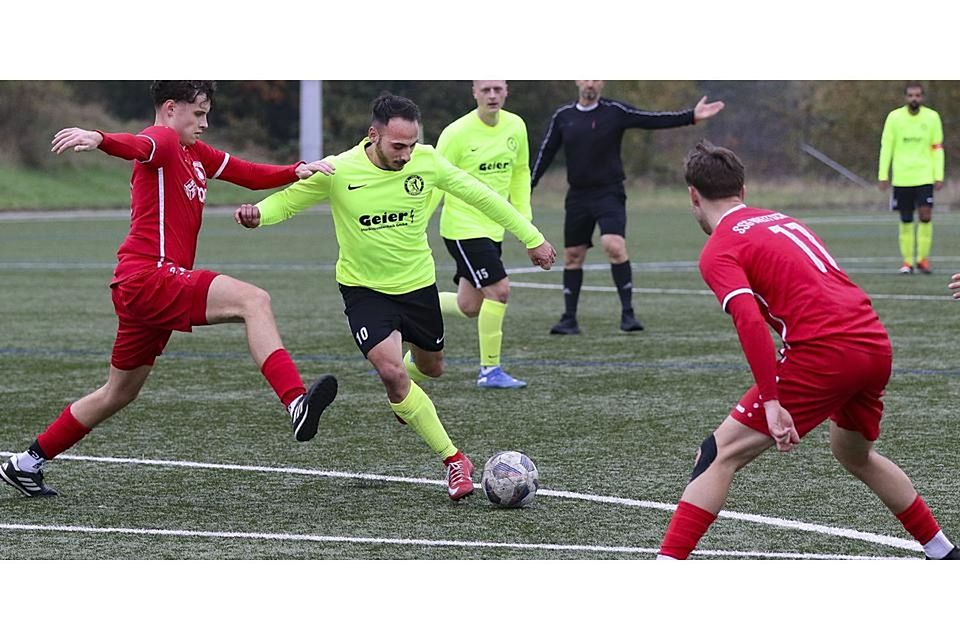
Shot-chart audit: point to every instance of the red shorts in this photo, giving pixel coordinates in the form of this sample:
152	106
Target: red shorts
825	381
151	305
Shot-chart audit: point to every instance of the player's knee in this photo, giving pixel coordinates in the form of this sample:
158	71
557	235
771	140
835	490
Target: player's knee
851	459
499	291
925	214
471	307
573	258
392	374
616	249
706	456
258	299
432	367
120	396
906	215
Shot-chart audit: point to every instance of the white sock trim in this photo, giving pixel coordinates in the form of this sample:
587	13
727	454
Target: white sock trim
938	547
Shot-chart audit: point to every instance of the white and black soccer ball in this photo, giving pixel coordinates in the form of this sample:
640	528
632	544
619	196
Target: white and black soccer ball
510	479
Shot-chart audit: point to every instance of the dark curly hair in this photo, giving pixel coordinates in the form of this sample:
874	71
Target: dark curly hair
389	106
181	90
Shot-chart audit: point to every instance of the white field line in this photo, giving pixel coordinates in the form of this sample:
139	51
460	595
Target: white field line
839	532
707	292
416	542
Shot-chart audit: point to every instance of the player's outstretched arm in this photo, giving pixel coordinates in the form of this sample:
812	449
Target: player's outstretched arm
247	215
75	138
543	255
705	110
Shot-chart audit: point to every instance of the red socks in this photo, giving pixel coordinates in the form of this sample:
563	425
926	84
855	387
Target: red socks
918	520
283	376
687	526
62	434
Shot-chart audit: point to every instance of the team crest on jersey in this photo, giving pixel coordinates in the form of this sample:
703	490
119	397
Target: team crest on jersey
512	143
201	174
413	185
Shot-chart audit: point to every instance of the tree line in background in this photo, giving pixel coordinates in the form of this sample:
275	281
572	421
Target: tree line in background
765	121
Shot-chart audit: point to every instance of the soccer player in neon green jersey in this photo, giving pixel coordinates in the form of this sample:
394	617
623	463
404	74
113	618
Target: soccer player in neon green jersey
379	196
913	140
490	144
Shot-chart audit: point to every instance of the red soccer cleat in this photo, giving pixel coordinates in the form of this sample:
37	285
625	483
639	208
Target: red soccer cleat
459	470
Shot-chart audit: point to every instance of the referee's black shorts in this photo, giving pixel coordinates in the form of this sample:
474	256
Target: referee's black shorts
373	316
605	207
478	260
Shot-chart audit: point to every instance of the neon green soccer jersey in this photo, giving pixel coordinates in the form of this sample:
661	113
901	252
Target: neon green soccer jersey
381	216
915	145
499	157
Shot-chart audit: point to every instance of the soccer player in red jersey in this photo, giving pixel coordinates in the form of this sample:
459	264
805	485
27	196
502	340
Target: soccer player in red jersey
155	288
766	268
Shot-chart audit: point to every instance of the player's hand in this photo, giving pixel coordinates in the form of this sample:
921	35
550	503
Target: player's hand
310	168
78	139
248	215
884	185
955	285
705	109
780	424
543	255
938	185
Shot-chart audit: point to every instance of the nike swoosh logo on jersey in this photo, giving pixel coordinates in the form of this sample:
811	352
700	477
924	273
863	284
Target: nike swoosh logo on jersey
351	187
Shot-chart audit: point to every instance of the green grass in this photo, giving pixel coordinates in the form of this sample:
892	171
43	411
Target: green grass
605	413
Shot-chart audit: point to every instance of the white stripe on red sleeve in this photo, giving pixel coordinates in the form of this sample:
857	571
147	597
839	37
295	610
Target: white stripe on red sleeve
733	294
152	151
223	165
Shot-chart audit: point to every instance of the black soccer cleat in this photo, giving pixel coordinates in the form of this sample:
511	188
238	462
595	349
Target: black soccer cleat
305	417
953	555
29	484
629	322
567	326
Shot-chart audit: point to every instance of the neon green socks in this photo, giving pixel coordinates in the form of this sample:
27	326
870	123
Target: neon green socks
908	236
448	304
490	331
415	374
924	240
417	410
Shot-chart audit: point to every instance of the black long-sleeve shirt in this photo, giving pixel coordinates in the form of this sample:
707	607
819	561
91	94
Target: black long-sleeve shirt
592	139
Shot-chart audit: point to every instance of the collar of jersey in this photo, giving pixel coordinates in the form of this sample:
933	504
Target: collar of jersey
731	210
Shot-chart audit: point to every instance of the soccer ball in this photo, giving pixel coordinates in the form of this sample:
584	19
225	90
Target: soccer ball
510	479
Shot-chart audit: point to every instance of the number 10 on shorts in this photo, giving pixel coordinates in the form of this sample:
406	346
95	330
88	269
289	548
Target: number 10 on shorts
362	335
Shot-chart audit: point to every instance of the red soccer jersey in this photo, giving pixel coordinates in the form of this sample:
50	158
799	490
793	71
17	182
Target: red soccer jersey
798	287
168	190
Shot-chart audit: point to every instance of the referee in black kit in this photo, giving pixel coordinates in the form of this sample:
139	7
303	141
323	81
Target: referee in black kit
591	132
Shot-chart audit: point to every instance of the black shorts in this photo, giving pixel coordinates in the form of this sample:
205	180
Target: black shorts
373	316
586	208
906	199
478	260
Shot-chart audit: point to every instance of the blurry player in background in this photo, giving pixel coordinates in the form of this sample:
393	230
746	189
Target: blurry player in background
768	269
155	288
590	130
490	144
913	141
